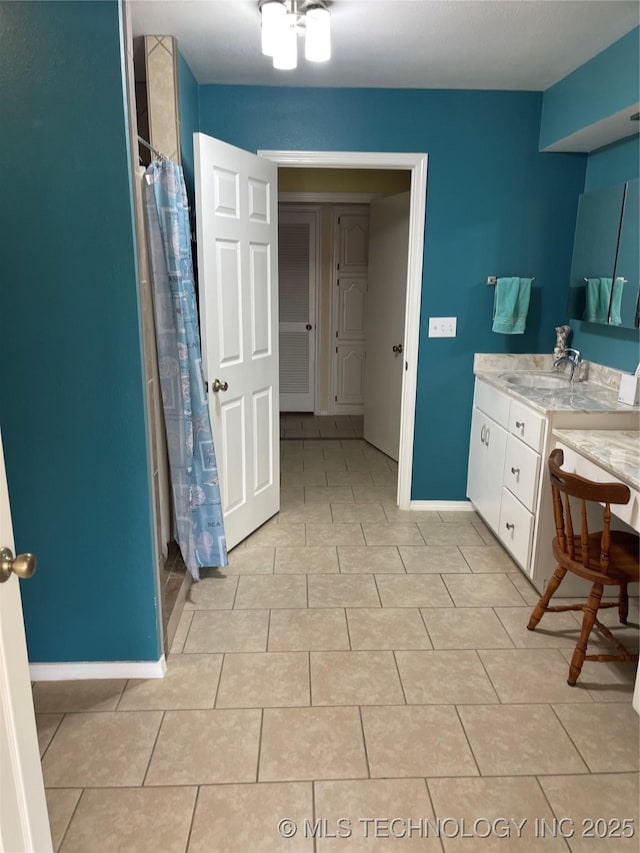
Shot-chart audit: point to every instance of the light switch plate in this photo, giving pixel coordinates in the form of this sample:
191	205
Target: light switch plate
442	327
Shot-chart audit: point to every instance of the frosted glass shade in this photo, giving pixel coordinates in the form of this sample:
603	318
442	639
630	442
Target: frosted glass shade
317	42
285	57
273	13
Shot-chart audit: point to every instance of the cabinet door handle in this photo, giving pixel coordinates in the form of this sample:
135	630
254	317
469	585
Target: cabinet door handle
483	433
510	526
519	424
488	436
515	471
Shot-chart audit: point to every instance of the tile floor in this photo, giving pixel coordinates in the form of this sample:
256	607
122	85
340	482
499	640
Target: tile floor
354	662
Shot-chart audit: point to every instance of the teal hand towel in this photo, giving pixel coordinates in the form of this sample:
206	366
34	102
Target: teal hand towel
511	305
615	316
598	298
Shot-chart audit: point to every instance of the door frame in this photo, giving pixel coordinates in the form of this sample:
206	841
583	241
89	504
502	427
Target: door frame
417	165
310	207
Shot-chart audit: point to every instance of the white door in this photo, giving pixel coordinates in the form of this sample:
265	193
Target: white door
385	320
236	205
24	825
351	257
297	275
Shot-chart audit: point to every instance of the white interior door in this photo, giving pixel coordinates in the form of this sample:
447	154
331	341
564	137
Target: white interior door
297	276
236	206
24	824
385	321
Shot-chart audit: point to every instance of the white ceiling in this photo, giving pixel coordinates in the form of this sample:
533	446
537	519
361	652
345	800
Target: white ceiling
432	44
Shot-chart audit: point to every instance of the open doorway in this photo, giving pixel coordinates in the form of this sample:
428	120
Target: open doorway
415	165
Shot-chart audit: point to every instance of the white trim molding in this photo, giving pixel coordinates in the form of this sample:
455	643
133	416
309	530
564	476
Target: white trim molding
442	506
99	669
417	165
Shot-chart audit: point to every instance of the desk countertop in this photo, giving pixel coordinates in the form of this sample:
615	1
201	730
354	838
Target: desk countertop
617	451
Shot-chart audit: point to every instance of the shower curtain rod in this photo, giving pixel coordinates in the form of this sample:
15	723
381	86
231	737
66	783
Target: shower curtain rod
153	150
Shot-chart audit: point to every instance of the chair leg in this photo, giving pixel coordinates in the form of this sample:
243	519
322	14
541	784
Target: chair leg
588	621
623	604
554	582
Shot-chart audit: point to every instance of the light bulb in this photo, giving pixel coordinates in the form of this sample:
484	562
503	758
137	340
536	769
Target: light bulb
285	57
317	41
273	13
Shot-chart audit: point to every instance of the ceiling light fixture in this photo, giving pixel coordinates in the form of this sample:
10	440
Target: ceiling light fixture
283	20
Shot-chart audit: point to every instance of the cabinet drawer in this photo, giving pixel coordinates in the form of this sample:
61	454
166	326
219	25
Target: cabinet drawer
527	425
492	402
516	529
521	469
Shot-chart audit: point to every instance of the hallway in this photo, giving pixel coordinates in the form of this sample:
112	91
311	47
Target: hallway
353	662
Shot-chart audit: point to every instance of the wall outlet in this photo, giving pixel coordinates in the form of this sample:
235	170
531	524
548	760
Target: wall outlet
442	327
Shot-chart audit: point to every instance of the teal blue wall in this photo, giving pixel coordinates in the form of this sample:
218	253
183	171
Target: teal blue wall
189	121
495	206
71	384
601	87
603	344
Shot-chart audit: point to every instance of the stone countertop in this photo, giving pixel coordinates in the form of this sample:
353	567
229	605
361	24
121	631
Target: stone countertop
617	451
584	396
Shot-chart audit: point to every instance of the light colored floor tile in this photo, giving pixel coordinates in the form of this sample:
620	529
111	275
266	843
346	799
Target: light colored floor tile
291	496
206	747
61	804
585	799
184	624
304	630
444	678
325	465
271	591
531	675
303	478
513	802
367	464
51	697
46	724
109	748
526	589
462	533
358	512
433	559
458	516
610	681
413	591
482	591
307	560
369	559
242	818
484	533
335	534
394	513
228	631
605	733
488	558
215	593
387	628
466	628
291	465
355	678
361	801
343	591
555	631
349	478
251	561
385	478
375	494
190	683
277	534
416	741
328	494
309	512
135	820
392	533
519	740
312	743
264	680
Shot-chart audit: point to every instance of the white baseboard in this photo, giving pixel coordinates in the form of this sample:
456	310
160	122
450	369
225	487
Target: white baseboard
99	669
441	506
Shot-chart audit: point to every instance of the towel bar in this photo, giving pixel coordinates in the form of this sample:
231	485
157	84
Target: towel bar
493	280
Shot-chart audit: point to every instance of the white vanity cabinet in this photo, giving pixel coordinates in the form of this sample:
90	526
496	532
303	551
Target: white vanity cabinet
508	479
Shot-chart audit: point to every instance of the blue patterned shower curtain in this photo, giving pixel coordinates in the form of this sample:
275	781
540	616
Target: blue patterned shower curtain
192	459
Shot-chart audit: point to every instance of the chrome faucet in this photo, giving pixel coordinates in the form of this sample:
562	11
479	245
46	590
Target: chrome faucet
572	357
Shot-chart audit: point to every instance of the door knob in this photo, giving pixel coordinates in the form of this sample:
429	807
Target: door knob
397	348
24	565
309	327
219	386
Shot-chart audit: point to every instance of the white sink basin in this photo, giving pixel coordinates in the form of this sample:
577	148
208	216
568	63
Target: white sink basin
533	379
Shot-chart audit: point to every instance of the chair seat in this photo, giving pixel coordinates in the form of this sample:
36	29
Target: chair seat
623	558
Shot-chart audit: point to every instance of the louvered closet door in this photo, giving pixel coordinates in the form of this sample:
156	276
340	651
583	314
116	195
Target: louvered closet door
297	272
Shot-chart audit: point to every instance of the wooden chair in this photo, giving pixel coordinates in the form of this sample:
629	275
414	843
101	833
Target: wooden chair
606	558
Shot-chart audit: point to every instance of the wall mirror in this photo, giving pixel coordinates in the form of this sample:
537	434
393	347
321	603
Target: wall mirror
605	275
